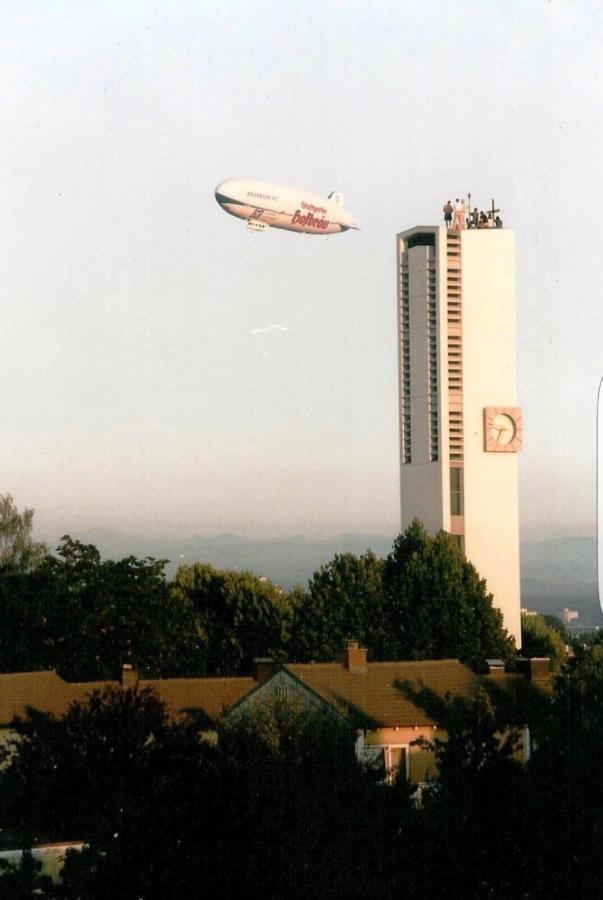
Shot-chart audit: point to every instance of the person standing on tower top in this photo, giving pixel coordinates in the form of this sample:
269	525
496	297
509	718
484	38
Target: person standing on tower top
458	223
448	209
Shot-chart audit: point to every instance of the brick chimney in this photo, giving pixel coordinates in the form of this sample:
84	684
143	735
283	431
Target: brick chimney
129	675
264	667
355	658
537	670
496	667
540	673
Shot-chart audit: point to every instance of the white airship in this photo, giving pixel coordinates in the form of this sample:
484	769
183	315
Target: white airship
264	205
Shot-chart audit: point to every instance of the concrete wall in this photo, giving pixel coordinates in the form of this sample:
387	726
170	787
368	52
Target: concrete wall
421	480
421	763
489	365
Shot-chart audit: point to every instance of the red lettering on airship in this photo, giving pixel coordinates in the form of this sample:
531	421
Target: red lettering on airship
314	209
308	220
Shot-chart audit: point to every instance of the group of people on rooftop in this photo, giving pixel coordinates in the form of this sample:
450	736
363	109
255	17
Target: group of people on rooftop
455	217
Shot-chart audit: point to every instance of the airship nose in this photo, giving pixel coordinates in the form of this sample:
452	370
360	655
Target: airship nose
221	192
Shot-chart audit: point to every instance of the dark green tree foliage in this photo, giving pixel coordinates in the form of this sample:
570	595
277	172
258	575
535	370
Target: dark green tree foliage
22	880
279	809
114	612
310	820
238	615
492	828
426	601
67	773
144	794
564	803
85	617
539	639
436	605
344	600
22	589
468	827
557	625
25	631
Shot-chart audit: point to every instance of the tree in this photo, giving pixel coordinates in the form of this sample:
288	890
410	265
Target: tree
25	635
469	827
64	775
142	792
542	640
279	807
17	549
22	880
557	625
564	801
436	605
426	601
85	617
310	820
105	613
344	600
239	616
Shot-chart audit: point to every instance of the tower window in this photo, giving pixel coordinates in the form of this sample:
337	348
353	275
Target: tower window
423	239
459	540
456	491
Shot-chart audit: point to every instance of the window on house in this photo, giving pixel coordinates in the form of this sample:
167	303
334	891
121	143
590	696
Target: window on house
396	762
374	759
282	693
387	760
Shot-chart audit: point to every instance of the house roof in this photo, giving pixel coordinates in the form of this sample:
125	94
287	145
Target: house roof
383	694
386	694
48	692
45	691
212	696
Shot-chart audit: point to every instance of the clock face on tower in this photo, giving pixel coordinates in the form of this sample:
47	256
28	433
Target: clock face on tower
503	430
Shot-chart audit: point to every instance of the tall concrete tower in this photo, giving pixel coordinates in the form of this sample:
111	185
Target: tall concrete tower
460	428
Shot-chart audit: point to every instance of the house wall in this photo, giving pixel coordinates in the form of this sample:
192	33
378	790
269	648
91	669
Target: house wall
283	687
421	763
51	856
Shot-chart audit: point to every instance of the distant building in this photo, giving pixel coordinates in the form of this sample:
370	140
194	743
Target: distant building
589	631
460	426
570	615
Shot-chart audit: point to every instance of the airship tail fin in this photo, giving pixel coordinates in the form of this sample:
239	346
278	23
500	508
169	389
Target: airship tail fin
336	197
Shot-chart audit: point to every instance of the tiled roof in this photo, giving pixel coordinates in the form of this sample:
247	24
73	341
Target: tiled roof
382	696
48	692
45	691
209	695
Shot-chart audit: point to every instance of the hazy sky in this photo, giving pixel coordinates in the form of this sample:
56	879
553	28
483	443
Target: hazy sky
134	393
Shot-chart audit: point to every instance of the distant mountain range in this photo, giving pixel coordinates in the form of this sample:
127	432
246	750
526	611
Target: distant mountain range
287	561
555	574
